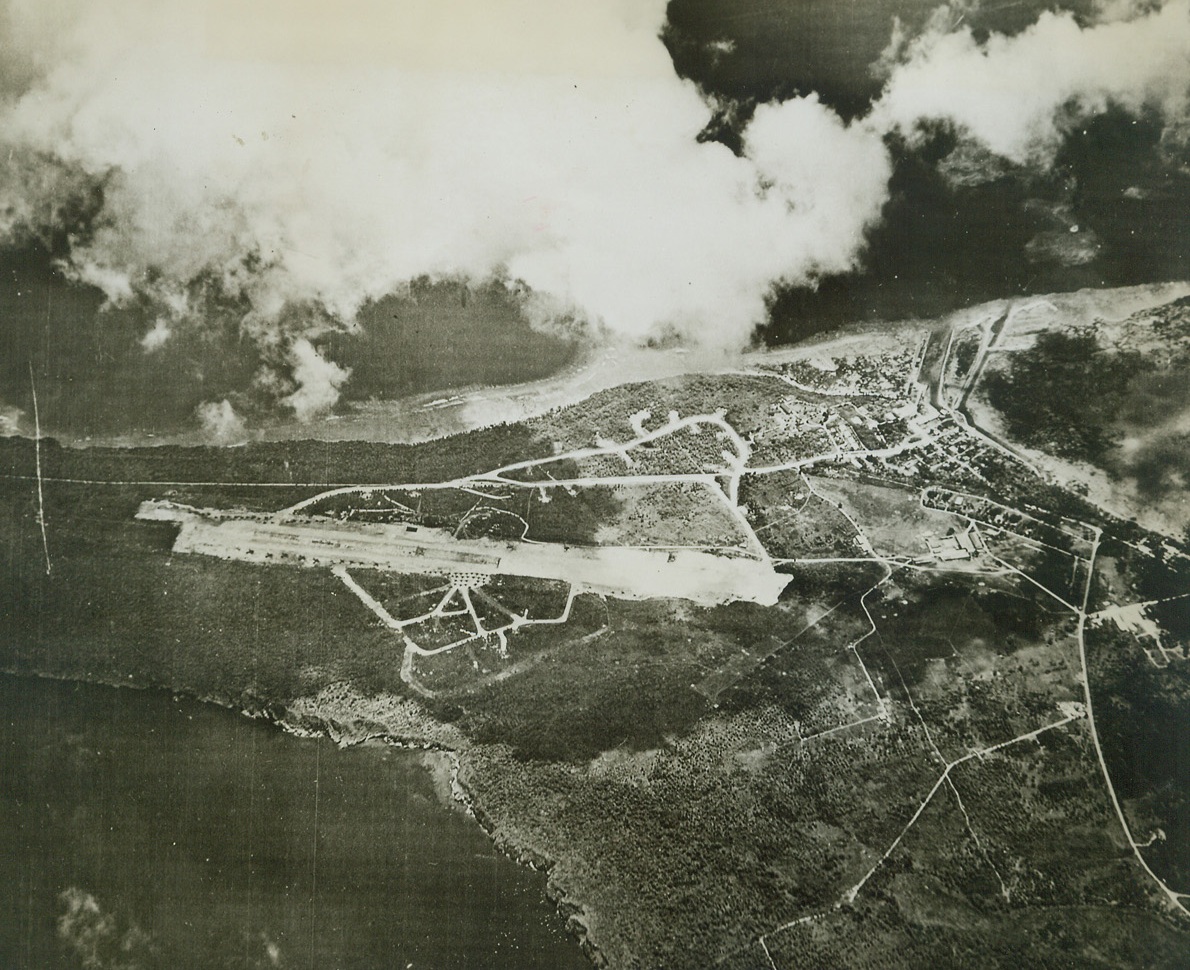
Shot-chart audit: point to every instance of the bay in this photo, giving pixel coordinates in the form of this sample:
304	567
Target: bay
143	830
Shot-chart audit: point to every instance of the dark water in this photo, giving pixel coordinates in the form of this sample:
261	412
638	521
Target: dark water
941	246
141	831
93	377
788	47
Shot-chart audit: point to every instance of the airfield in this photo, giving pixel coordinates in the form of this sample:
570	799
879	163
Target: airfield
961	648
704	578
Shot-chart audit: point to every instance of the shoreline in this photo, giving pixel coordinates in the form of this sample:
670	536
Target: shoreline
452	793
430	415
305	722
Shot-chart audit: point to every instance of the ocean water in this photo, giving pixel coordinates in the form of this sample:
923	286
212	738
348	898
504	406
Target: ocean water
940	246
143	831
780	48
94	378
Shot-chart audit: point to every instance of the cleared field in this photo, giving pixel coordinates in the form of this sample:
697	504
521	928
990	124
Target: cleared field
892	518
793	522
671	514
617	571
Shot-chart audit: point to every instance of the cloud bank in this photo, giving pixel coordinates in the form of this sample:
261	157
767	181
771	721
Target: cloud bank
1019	96
300	154
299	157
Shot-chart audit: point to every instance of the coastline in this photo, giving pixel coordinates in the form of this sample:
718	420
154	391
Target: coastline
456	764
427	416
442	761
340	714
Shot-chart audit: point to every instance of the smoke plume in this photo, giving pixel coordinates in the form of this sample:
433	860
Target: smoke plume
1019	96
220	422
297	154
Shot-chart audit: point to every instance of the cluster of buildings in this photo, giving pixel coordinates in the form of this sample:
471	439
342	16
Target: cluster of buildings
957	546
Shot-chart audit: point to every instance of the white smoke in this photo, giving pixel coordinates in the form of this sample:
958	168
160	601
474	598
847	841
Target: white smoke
301	153
318	380
344	154
220	422
1018	96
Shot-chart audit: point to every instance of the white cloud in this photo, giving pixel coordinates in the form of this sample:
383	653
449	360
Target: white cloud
352	150
303	152
11	420
318	381
101	940
156	338
1018	95
220	422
